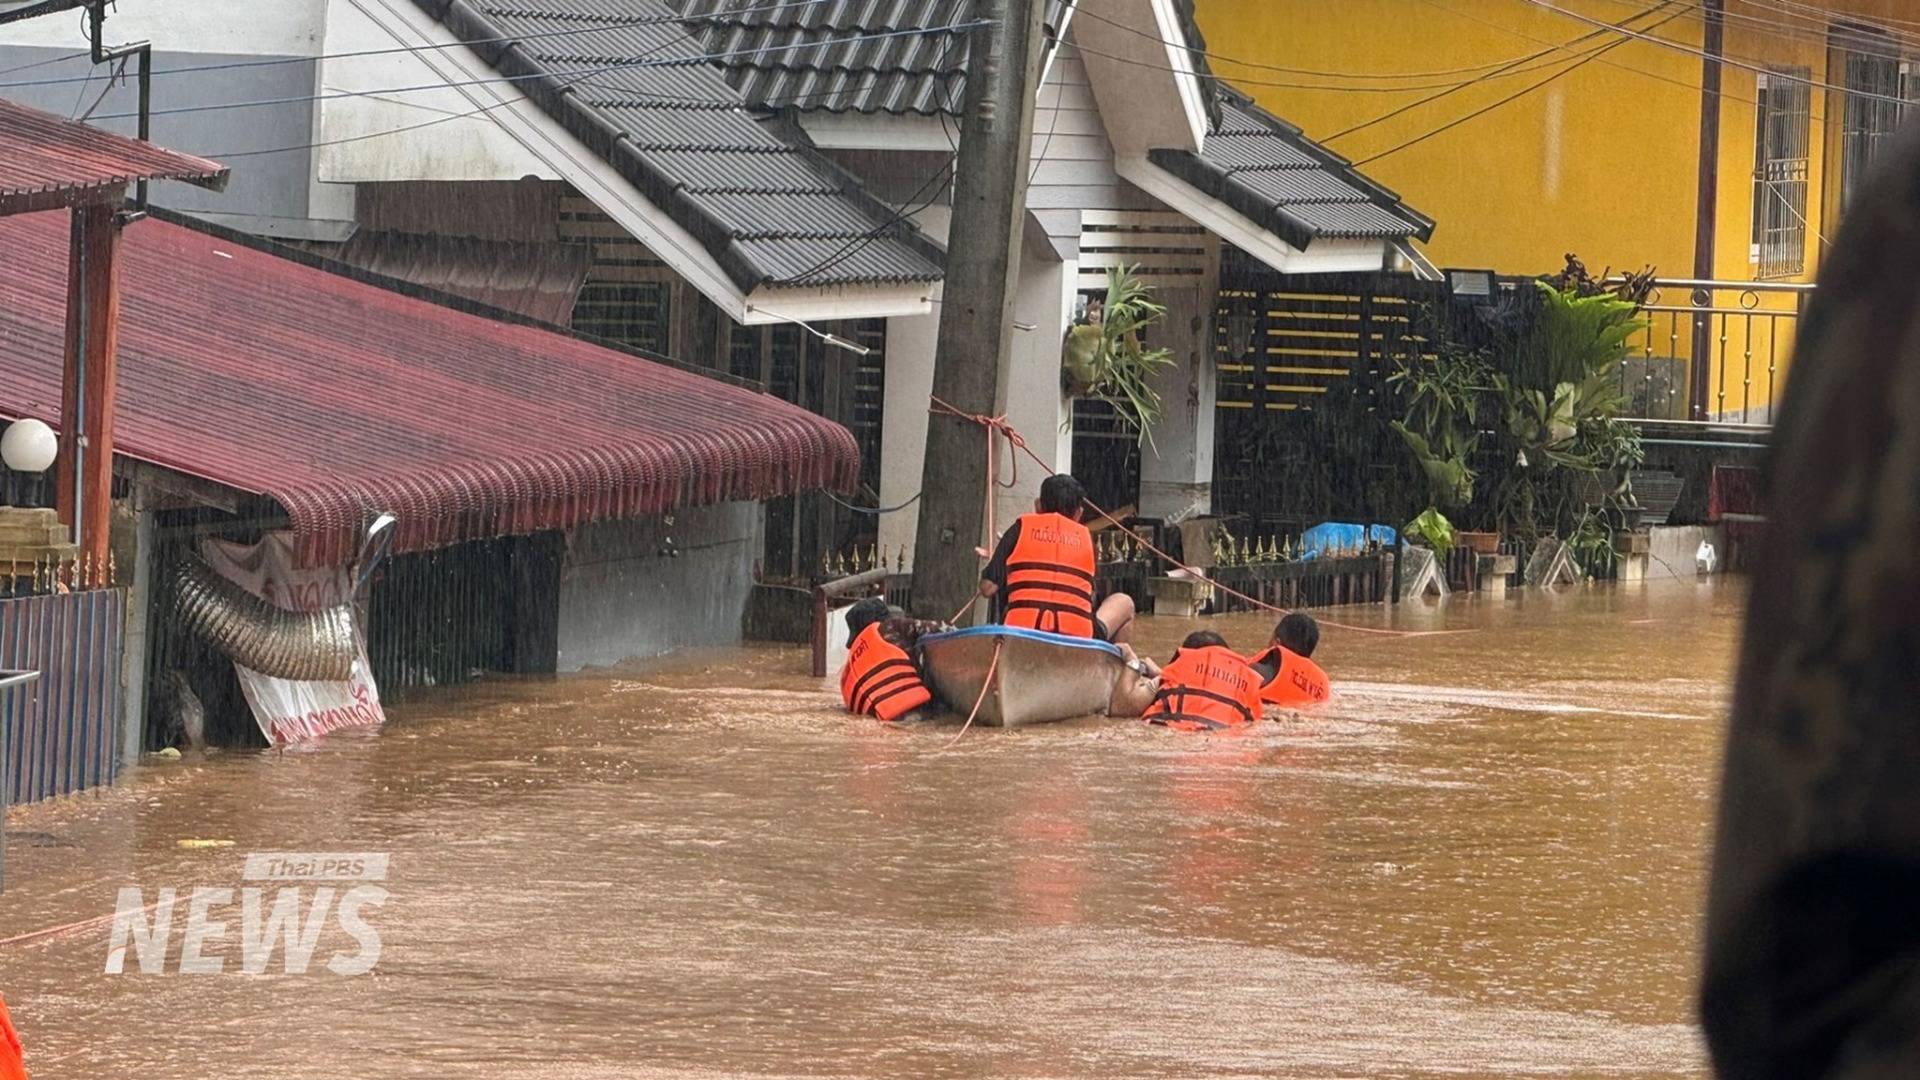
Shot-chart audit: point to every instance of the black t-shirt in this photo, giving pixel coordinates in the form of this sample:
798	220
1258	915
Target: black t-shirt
996	570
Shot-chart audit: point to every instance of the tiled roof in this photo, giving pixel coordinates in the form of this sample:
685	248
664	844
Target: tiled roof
47	162
1268	171
336	398
824	56
770	208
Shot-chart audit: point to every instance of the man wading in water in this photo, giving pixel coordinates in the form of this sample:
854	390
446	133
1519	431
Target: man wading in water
1813	920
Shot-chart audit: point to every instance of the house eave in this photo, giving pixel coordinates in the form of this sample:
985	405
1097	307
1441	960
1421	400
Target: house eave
1325	255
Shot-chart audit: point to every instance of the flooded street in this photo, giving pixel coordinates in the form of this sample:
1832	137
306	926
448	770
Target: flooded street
1485	857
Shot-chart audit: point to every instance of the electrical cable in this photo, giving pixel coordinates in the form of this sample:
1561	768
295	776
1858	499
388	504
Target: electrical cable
1383	117
1693	87
44	63
1053	121
1213	56
1482	111
930	188
1730	61
119	72
1299	85
678	61
874	510
603	23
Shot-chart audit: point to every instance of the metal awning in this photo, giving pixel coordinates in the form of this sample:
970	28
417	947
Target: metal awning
48	162
333	398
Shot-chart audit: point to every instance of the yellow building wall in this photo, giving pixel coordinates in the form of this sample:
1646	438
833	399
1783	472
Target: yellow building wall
1601	162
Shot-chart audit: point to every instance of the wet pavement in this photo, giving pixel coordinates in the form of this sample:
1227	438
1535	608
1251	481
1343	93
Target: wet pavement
1485	857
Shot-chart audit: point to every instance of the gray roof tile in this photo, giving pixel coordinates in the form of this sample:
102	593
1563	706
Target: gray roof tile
848	68
635	86
1269	171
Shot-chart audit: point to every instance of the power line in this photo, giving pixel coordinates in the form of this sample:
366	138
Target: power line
1728	60
44	63
684	36
930	188
1284	70
1450	125
591	28
1856	37
1284	85
1813	13
1069	9
1693	87
1383	117
678	61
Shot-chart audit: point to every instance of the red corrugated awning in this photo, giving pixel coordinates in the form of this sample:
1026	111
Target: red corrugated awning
48	162
338	399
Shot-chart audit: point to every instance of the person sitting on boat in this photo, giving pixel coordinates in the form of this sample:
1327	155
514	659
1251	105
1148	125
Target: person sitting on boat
1206	687
882	677
1041	575
1288	677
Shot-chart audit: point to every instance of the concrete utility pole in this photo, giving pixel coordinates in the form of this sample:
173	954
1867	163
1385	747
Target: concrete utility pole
983	254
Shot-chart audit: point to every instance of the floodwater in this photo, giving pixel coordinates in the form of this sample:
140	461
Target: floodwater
1485	858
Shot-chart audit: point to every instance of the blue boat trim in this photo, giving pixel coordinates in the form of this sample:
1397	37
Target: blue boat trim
1017	633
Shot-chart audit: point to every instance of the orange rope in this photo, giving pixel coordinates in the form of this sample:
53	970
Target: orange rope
83	924
986	685
1014	439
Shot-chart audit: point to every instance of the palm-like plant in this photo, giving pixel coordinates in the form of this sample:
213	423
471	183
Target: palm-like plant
1105	358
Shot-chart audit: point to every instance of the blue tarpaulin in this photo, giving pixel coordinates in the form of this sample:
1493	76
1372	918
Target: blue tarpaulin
1330	536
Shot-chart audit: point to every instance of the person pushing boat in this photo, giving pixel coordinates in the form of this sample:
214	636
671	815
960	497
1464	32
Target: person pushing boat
882	677
1206	687
1041	574
1289	678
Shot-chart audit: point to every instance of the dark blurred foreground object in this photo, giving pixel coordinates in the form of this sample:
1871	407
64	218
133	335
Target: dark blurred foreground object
1813	918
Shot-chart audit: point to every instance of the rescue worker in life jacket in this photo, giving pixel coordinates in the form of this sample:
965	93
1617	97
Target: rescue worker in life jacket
12	1063
1206	687
1288	677
882	676
1041	576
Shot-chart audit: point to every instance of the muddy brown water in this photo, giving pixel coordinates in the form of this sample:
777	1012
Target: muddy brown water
1484	858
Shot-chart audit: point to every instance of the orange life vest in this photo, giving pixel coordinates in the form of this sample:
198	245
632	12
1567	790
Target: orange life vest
1297	681
1050	576
1206	690
880	679
12	1067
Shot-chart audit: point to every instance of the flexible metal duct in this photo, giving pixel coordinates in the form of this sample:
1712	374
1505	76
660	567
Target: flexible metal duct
308	646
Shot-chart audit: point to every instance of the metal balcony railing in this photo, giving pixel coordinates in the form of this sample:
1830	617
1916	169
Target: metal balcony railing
1715	352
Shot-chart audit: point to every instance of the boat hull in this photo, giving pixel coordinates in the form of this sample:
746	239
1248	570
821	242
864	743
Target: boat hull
1040	677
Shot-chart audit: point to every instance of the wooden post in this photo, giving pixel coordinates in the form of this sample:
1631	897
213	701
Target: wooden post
85	469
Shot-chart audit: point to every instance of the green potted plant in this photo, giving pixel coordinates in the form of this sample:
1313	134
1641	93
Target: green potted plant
1442	396
1103	356
1560	400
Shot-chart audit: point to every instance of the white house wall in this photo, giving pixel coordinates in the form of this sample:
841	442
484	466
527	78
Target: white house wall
1145	79
468	148
1072	164
234	27
240	57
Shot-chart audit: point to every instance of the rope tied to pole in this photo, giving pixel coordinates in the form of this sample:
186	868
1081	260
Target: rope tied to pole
1017	441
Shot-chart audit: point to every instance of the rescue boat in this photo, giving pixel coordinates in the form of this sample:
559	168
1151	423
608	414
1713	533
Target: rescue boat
1039	677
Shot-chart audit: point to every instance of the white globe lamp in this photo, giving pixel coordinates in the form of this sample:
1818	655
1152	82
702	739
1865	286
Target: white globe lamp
28	446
